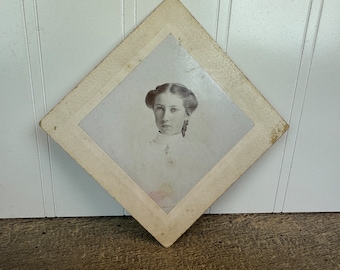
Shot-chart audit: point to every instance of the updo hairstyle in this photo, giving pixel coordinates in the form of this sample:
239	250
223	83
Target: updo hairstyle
189	99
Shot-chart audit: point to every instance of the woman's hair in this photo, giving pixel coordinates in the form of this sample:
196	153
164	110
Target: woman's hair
189	99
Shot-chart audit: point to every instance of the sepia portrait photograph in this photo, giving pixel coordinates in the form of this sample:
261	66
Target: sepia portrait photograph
167	124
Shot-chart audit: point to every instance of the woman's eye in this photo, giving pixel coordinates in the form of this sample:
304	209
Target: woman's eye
159	108
174	110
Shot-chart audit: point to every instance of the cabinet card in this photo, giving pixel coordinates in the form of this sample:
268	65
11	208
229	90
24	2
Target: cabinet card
165	123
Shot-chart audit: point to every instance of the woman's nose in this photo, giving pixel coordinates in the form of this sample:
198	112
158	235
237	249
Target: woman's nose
166	115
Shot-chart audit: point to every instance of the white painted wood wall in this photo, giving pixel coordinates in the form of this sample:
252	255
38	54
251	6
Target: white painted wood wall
290	50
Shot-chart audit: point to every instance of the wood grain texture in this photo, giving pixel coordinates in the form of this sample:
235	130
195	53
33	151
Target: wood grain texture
256	241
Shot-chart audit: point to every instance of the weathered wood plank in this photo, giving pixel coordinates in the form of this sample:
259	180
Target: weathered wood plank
253	241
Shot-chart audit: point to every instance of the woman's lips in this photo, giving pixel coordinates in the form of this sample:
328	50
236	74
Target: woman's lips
166	126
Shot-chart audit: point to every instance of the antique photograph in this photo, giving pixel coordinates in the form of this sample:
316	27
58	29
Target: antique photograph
167	124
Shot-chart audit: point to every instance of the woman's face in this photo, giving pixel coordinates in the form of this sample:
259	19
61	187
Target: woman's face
169	113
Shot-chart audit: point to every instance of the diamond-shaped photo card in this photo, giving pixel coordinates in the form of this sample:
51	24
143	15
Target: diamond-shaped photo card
166	123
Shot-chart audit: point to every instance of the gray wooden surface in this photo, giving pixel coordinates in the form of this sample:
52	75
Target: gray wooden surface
252	241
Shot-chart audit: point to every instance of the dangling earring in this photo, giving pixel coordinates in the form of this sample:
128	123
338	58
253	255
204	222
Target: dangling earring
184	127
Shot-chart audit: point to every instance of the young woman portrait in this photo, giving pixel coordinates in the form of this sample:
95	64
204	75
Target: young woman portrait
169	165
166	127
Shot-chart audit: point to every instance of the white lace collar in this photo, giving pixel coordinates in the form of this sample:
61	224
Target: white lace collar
166	139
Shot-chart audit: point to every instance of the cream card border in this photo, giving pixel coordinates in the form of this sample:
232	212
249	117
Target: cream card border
171	17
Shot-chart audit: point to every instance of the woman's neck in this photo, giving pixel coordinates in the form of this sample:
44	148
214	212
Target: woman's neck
165	139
